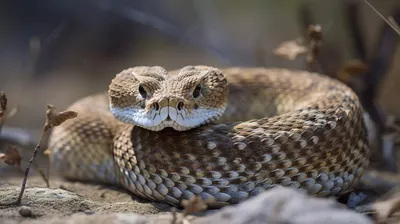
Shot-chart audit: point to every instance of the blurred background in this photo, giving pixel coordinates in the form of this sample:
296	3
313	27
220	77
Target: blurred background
59	51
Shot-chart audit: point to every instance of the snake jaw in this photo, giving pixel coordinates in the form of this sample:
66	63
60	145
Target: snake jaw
167	117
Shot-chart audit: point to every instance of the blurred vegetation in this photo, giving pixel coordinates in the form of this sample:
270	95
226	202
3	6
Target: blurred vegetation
59	51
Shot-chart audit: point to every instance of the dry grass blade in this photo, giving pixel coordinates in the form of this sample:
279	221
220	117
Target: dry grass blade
3	104
56	118
11	157
390	22
46	177
290	49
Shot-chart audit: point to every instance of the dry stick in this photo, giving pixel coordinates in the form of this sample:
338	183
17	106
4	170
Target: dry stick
1	123
48	172
28	168
392	23
42	174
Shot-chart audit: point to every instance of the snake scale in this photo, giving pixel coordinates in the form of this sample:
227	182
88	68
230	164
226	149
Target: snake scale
224	135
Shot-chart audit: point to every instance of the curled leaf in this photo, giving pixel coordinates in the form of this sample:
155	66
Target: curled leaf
3	103
290	49
351	69
314	32
11	157
47	152
56	118
195	204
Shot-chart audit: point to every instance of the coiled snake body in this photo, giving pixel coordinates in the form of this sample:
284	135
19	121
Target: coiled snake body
162	136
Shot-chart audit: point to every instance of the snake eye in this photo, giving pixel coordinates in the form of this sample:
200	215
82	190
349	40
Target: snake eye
196	91
142	91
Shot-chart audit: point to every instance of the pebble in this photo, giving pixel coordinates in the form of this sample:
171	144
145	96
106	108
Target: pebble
25	211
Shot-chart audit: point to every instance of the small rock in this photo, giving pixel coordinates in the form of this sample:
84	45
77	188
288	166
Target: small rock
25	211
89	212
285	205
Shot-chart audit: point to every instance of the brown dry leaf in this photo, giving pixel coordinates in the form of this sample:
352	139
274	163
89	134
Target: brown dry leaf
56	118
314	32
3	103
350	69
290	49
11	157
47	152
195	204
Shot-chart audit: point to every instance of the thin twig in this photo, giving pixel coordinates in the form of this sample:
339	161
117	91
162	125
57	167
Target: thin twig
28	168
394	23
390	23
42	174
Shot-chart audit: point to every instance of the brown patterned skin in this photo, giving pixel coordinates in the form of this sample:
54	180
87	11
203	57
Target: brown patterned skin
300	129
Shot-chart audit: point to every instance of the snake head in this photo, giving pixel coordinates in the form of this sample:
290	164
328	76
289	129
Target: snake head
150	98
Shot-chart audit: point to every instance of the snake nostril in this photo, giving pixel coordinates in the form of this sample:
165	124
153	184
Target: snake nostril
156	106
180	105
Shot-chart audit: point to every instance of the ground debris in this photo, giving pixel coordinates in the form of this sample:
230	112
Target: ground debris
11	157
54	118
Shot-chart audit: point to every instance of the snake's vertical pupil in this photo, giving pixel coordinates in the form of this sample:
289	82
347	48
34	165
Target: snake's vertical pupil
142	91
196	91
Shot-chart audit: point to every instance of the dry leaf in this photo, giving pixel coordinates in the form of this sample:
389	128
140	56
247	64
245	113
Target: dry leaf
54	118
11	157
195	204
355	67
47	152
314	32
290	49
3	103
350	69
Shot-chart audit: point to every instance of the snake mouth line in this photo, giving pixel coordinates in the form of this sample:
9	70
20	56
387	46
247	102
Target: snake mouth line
166	117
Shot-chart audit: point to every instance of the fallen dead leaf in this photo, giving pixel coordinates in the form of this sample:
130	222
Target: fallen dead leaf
47	152
195	204
314	32
11	157
351	68
290	49
56	118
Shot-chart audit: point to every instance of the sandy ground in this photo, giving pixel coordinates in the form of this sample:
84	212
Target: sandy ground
68	198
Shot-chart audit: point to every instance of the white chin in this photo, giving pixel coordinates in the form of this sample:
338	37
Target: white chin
166	117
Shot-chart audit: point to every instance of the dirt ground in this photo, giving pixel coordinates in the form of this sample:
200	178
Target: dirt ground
85	198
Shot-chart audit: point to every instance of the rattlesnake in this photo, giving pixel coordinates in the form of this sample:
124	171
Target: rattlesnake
157	134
